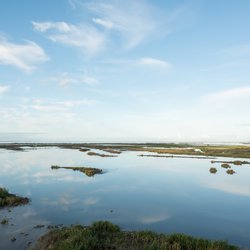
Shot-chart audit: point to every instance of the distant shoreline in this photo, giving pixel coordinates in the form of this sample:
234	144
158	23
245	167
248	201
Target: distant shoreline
198	150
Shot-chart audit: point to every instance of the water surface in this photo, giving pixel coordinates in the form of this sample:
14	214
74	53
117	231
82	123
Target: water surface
161	194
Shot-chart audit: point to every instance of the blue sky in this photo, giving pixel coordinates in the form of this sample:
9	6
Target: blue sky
125	70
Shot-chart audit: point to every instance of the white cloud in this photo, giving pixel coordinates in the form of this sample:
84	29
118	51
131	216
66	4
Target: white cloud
61	106
4	88
66	79
149	61
130	23
90	80
239	93
132	20
45	26
104	23
82	36
22	56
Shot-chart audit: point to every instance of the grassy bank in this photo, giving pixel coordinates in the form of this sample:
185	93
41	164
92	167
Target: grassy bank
105	235
8	199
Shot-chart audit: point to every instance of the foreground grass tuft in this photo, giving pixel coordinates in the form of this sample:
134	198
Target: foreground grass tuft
105	235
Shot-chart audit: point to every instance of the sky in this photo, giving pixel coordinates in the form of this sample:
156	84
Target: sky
114	70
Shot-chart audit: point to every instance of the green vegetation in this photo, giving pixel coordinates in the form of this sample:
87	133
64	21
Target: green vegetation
7	199
213	170
86	170
112	151
101	155
105	235
220	151
84	149
12	146
176	156
4	222
230	171
235	151
225	165
238	163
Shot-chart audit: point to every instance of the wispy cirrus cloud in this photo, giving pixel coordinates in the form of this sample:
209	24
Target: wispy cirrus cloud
65	79
82	36
116	23
153	62
104	23
133	21
144	61
4	88
23	56
61	106
239	93
89	80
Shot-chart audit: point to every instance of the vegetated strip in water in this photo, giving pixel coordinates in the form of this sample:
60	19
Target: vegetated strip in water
234	151
232	162
10	200
101	155
112	151
105	235
86	170
178	156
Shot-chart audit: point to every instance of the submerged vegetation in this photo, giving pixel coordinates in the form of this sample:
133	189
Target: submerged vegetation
86	170
105	235
8	199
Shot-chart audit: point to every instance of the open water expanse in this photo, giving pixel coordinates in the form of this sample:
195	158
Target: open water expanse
137	193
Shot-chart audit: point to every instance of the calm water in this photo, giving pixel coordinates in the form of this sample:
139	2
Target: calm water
161	194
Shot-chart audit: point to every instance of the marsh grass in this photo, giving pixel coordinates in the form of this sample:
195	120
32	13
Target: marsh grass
101	155
213	170
84	149
235	151
8	199
112	151
86	170
105	235
4	221
230	171
237	163
225	165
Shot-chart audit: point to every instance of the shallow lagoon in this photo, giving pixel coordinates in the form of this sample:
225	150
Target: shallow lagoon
160	194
